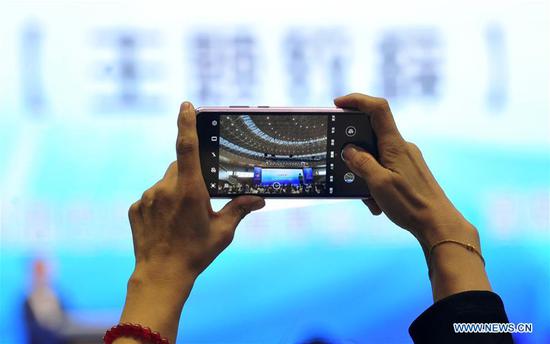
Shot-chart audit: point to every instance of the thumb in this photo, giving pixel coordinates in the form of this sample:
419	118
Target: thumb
363	164
234	211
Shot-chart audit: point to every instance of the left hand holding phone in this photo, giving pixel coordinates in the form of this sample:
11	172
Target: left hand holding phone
176	235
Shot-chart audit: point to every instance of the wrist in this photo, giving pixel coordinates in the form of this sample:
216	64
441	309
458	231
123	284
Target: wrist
166	273
456	266
167	295
155	298
143	280
446	225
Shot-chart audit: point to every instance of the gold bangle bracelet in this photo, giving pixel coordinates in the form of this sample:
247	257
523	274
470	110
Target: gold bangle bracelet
469	247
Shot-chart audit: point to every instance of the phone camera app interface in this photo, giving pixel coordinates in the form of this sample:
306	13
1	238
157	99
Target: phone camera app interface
272	154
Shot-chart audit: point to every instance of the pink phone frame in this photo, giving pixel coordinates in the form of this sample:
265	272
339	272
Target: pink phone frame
277	109
273	109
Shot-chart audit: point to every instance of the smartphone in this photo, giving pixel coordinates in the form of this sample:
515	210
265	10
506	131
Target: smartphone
281	152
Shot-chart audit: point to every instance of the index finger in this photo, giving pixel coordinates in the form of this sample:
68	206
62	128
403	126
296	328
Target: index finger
382	119
187	143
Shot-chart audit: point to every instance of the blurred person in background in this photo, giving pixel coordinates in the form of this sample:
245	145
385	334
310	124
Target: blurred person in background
176	235
46	318
43	312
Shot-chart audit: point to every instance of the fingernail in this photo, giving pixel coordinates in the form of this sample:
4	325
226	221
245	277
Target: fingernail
350	150
186	106
259	204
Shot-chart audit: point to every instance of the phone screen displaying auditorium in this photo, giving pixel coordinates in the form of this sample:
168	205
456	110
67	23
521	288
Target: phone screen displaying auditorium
282	153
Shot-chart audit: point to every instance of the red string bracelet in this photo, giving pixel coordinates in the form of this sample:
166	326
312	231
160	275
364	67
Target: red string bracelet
135	331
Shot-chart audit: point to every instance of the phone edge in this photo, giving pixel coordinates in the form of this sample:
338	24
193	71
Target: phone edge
273	109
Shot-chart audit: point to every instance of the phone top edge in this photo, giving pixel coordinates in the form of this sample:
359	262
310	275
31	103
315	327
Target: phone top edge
264	109
289	197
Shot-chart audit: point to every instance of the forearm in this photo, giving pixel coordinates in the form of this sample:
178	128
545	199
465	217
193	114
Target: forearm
454	268
156	302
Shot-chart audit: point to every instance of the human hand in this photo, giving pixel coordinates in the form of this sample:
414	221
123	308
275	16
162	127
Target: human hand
175	231
401	183
176	235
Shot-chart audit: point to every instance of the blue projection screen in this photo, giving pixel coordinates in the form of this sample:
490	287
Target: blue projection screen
281	175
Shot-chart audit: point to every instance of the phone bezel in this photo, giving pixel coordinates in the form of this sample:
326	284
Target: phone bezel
285	110
274	109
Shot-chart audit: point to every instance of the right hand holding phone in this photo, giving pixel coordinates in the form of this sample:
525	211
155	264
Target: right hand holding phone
400	183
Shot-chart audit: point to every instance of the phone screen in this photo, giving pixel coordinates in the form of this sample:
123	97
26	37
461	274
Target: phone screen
281	154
